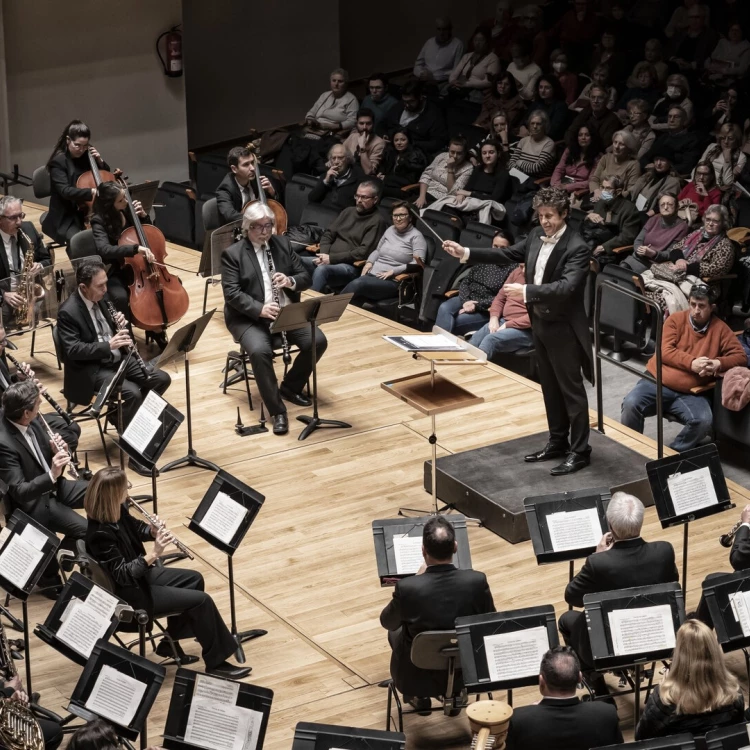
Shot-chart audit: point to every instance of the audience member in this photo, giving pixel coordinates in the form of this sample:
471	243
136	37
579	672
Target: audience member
726	156
658	178
677	94
596	115
473	73
696	46
534	155
366	147
499	134
647	89
439	54
336	188
446	175
550	99
501	27
378	100
578	161
567	78
621	162
599	77
682	145
524	70
560	719
678	25
530	20
608	51
730	59
336	109
503	97
653	55
639	126
402	164
577	30
727	109
696	197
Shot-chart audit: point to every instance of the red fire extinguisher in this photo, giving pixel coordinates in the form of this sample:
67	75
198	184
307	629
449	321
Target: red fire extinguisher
173	46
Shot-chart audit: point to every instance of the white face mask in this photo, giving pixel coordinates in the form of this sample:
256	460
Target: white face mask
559	67
673	92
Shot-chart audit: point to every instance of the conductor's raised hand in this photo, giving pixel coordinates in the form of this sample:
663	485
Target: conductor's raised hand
270	311
453	248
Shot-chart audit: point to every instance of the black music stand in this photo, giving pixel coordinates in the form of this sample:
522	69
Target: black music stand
728	738
309	736
132	665
674	742
661	471
44	542
537	510
384	531
77	587
183	342
252	500
252	697
15	623
473	630
313	312
598	607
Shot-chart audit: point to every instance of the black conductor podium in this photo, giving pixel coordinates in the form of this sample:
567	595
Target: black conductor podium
503	650
312	312
398	546
208	713
309	736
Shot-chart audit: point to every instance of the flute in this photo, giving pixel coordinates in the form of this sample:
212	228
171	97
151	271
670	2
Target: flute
132	347
59	443
25	369
161	525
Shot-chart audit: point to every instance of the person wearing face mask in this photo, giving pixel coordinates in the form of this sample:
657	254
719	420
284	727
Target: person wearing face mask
726	156
568	80
681	145
658	178
402	164
525	71
676	95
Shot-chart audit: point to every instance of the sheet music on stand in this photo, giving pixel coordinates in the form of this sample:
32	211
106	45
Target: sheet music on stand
728	600
641	630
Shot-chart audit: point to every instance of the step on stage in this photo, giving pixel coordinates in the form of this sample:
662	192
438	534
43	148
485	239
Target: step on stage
491	483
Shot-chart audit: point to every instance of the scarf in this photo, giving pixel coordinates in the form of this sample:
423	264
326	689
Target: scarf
693	251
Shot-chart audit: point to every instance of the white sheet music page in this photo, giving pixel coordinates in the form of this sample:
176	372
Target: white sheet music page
641	630
692	490
741	609
574	529
517	654
408	553
116	696
223	517
82	627
34	537
141	430
154	404
19	560
101	601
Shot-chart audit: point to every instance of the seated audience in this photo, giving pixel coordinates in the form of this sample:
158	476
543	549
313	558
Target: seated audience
366	147
660	177
696	347
524	70
352	236
677	94
596	115
600	78
578	161
508	330
446	175
638	125
678	25
698	694
653	55
503	97
336	188
726	156
499	133
474	72
577	30
681	145
647	90
621	162
530	20
622	560
609	51
439	54
697	196
431	600
550	99
239	187
659	232
695	48
730	58
336	109
469	309
378	100
567	79
402	164
501	27
727	109
560	720
534	155
401	245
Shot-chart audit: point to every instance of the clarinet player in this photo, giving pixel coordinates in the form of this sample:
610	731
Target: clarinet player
260	274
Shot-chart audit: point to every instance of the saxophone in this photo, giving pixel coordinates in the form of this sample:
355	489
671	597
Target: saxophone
30	291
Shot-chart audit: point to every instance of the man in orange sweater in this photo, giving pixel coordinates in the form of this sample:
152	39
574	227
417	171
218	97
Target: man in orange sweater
695	348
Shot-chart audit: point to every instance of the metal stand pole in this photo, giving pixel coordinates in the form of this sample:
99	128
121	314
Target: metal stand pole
246	635
26	648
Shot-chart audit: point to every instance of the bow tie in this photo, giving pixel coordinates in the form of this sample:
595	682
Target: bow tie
548	240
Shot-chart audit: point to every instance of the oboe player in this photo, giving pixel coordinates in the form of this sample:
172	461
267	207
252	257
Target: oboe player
259	275
115	540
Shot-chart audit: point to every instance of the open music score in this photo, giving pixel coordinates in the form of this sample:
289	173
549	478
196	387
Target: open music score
115	696
19	559
642	629
574	529
408	553
84	622
223	517
692	490
145	424
740	603
515	654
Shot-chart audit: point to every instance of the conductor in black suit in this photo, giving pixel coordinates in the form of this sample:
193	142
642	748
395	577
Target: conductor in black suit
431	600
557	263
254	294
239	186
622	560
560	720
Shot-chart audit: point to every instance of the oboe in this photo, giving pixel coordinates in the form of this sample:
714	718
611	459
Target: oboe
160	525
59	443
132	347
24	368
276	297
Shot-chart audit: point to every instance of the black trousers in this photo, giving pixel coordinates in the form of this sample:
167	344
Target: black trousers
118	293
70	433
560	358
181	590
256	340
134	387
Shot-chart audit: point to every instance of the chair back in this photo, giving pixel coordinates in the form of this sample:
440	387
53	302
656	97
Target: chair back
210	215
56	343
728	738
210	170
620	313
321	216
446	226
41	183
296	197
435	650
221	239
92	569
82	245
476	234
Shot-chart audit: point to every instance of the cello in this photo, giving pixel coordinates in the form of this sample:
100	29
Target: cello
279	212
92	179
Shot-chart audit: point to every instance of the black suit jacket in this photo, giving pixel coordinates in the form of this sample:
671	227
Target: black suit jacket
563	724
106	246
431	601
242	282
81	351
630	563
229	199
428	132
338	197
560	296
739	556
41	253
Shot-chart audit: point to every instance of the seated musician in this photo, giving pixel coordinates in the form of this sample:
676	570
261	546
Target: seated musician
32	467
238	187
15	247
254	293
92	348
68	432
115	540
69	160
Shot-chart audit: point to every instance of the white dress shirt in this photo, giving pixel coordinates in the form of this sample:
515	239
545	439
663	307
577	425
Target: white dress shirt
260	254
246	192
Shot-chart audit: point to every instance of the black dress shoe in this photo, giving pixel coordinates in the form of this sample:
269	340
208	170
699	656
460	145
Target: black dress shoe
574	462
280	424
225	669
292	397
549	451
164	649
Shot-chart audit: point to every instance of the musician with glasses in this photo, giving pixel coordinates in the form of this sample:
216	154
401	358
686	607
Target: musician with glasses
260	274
115	540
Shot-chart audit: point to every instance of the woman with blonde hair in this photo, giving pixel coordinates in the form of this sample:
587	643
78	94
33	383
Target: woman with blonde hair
698	694
621	162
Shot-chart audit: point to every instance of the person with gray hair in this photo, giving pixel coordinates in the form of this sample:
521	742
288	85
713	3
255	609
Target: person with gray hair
622	560
680	145
338	181
620	161
334	110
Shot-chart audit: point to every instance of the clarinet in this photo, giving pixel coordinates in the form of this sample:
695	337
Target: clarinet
276	297
59	443
24	368
132	347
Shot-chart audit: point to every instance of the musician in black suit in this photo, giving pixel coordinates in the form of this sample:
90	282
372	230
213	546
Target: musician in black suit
431	600
560	720
69	160
622	560
239	186
251	289
92	348
557	264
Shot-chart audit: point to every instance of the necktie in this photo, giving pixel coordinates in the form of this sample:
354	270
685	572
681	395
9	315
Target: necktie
3	380
37	449
16	260
103	331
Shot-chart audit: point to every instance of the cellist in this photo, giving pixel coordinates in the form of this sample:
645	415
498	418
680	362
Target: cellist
69	160
239	186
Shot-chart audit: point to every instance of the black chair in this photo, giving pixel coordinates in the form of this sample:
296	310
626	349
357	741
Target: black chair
210	170
728	738
82	245
296	195
476	234
446	226
42	188
321	216
385	206
730	425
175	212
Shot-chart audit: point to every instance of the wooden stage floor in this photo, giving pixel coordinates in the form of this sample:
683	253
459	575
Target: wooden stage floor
306	571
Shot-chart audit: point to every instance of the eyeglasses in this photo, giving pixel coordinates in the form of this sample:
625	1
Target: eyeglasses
264	227
364	197
14	217
702	174
400	216
706	220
